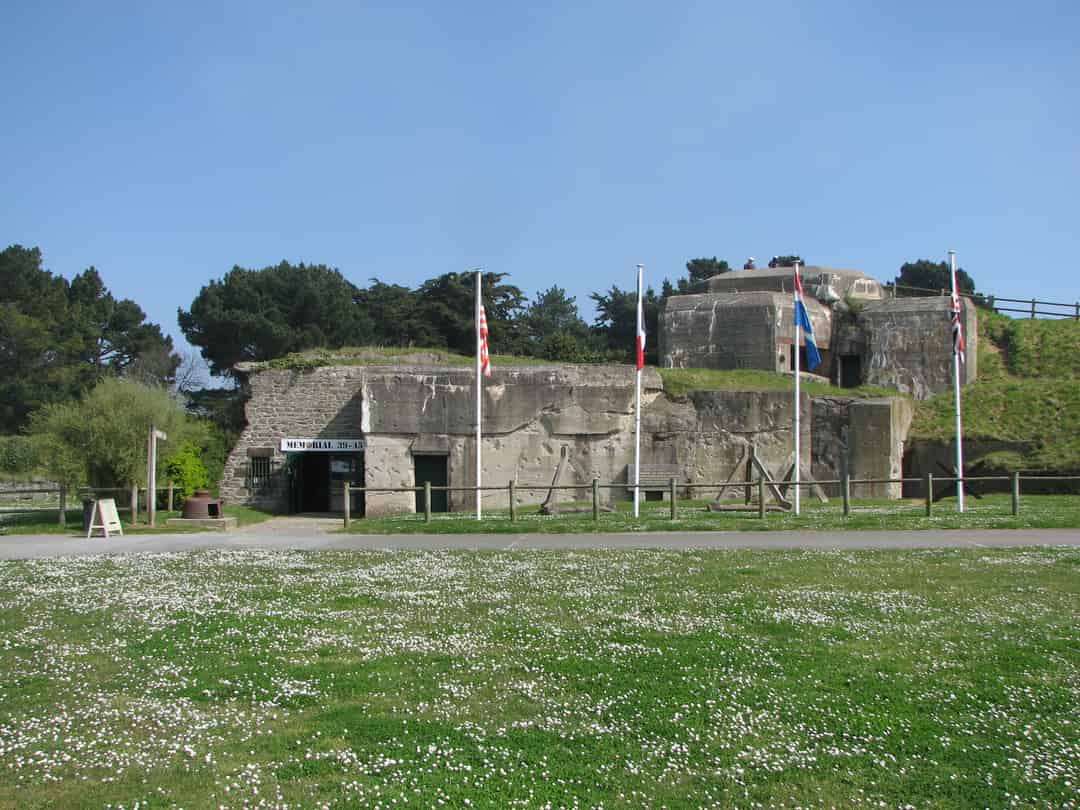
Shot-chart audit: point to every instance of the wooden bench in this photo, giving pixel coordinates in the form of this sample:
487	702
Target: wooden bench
654	477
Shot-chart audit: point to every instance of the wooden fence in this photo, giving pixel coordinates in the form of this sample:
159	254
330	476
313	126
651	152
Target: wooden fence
756	494
1032	307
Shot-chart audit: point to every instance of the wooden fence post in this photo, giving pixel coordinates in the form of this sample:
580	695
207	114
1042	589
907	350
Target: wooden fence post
671	497
1015	494
845	493
345	492
134	503
172	494
1032	307
761	497
513	500
427	502
61	518
929	494
596	499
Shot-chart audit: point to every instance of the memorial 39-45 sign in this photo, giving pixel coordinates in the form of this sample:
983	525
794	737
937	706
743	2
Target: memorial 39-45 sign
321	445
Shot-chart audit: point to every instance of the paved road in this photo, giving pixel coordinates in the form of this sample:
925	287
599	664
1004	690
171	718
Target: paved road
274	535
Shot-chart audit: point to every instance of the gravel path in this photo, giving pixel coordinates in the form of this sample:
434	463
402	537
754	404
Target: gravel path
307	533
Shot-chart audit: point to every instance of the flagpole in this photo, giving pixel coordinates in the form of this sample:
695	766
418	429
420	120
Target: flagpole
956	391
798	420
637	399
479	393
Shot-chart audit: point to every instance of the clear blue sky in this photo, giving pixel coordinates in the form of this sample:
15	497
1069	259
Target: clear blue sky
561	143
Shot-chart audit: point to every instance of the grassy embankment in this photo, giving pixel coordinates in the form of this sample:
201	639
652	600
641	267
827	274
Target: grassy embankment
243	678
1028	391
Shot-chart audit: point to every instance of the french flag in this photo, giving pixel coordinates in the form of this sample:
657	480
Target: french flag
802	319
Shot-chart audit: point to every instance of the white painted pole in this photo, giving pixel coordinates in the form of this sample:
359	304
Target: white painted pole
151	464
798	420
479	395
956	392
637	399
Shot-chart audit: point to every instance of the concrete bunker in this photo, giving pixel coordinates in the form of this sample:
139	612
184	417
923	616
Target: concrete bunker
390	428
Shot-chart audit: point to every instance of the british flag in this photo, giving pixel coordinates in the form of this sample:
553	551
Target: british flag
957	327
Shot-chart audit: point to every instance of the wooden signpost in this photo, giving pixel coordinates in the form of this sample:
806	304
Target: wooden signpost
105	518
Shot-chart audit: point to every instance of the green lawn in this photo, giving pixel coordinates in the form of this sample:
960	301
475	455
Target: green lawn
45	522
242	678
991	512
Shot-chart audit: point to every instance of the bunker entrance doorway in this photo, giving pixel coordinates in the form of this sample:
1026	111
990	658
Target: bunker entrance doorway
850	371
318	482
433	469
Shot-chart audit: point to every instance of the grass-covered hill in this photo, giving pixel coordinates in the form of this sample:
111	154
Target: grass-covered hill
1027	391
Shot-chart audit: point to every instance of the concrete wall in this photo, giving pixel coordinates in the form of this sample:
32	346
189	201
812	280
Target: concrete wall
735	330
863	436
909	345
530	415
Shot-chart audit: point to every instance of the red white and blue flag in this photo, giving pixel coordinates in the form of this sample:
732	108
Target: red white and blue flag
640	332
485	359
802	319
957	328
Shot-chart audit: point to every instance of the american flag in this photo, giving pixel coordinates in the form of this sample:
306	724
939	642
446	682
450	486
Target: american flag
957	328
485	360
640	333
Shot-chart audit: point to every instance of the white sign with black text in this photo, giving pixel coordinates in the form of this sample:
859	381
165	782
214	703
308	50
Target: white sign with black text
321	445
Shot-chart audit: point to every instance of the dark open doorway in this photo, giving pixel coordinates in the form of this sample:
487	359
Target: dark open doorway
318	482
311	487
433	469
850	371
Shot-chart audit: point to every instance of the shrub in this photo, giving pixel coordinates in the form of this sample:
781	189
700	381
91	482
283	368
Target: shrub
185	468
17	455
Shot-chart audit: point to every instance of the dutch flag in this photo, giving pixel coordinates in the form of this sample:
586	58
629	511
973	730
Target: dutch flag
802	319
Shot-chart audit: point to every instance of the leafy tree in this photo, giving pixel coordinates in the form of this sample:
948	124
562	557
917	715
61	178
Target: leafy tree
446	303
113	335
395	315
263	314
101	439
700	271
616	322
930	278
58	339
554	328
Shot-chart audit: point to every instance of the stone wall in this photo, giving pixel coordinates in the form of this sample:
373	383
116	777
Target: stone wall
322	403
